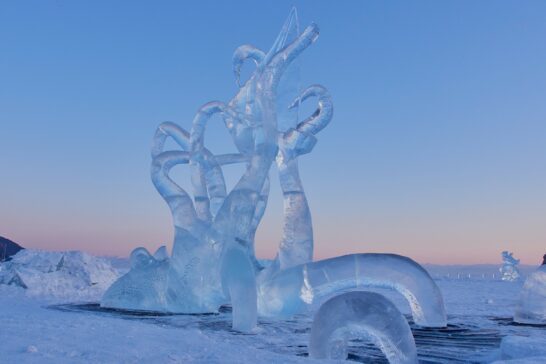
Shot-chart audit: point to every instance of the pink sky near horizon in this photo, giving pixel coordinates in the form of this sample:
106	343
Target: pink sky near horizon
424	246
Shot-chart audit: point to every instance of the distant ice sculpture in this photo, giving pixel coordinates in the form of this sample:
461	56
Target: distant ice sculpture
509	270
356	315
531	308
213	260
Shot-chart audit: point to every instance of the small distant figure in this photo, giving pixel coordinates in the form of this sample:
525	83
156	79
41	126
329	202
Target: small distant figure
544	259
509	269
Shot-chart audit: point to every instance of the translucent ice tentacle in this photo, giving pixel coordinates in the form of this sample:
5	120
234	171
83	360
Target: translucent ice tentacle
297	240
322	115
207	178
294	290
231	158
197	136
169	129
283	58
214	184
243	53
177	198
356	315
297	243
239	284
258	214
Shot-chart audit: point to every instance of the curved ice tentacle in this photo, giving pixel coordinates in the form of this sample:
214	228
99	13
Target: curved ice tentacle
284	57
214	179
239	285
178	200
354	315
242	53
169	129
230	158
297	243
322	115
296	246
294	290
207	178
258	214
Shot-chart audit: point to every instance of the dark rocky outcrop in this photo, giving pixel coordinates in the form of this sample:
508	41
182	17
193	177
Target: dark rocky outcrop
8	248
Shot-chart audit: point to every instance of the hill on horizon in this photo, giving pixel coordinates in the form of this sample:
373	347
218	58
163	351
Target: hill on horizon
8	248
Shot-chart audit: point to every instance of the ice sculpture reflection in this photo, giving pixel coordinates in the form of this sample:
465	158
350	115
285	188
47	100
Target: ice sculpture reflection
213	260
509	269
357	315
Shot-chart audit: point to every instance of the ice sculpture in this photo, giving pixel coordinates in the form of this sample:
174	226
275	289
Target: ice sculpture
214	221
531	308
294	290
213	260
361	315
509	270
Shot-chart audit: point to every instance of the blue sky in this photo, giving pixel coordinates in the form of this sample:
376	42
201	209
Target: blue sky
437	148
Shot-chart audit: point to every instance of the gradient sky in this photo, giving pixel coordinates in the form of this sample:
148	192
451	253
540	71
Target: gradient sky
437	149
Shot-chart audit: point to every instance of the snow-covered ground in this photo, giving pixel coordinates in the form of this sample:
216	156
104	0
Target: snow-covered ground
47	322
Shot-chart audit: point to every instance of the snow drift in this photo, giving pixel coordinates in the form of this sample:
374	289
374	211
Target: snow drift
69	276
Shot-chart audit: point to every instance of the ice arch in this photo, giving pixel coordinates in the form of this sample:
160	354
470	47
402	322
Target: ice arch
531	308
361	314
293	290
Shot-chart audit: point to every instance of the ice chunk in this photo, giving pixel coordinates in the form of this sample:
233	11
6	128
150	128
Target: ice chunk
519	347
361	314
531	308
294	290
71	275
509	270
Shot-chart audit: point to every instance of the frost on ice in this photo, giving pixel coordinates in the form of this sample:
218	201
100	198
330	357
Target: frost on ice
509	270
213	260
531	308
356	315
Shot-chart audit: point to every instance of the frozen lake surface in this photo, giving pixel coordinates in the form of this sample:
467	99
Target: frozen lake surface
34	329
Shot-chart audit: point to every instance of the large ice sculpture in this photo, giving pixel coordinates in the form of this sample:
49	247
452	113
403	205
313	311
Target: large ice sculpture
213	222
531	308
213	260
509	270
356	315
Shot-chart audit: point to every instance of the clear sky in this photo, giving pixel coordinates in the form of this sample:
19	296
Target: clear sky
437	149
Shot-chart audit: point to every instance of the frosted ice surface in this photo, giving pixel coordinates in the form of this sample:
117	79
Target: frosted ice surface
531	308
294	290
361	315
509	270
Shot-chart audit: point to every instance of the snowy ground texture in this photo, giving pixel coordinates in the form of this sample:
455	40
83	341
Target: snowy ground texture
56	319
